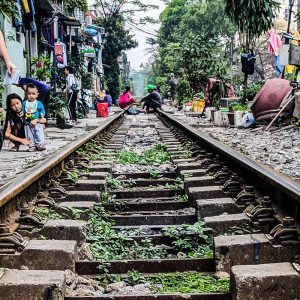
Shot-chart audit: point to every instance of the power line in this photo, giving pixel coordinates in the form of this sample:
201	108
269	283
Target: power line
140	29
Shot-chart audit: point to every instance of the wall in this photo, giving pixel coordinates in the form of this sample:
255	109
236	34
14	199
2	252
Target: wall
15	49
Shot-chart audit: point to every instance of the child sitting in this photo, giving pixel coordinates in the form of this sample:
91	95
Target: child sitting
34	115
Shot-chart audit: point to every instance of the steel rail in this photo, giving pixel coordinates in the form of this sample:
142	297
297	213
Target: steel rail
13	188
282	183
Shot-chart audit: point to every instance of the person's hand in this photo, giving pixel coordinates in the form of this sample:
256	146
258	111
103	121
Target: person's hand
11	69
33	122
25	142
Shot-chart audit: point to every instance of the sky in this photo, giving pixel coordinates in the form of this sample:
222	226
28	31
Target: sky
138	55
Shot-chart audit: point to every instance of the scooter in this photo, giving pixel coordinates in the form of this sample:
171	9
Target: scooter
81	108
84	102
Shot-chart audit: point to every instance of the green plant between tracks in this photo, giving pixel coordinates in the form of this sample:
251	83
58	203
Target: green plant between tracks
106	243
115	183
169	283
176	185
73	175
157	154
48	213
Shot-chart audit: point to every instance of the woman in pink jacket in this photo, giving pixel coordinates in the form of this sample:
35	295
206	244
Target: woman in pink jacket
126	99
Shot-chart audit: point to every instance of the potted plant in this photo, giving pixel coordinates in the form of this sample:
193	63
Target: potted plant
250	92
42	67
57	106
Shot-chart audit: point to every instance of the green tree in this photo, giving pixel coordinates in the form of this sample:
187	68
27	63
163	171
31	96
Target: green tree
192	43
118	39
253	18
202	58
114	15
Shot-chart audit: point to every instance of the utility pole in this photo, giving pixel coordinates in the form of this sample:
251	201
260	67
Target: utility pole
291	5
298	14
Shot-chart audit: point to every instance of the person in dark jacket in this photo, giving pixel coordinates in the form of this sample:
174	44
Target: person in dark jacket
152	100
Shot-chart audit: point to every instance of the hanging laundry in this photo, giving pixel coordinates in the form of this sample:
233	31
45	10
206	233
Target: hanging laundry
18	19
65	54
32	8
25	4
29	15
248	61
58	50
274	42
278	68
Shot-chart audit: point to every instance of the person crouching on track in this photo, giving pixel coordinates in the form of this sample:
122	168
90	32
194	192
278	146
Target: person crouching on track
152	100
14	122
126	100
34	115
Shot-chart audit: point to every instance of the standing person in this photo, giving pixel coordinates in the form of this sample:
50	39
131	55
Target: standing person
4	54
14	122
108	99
152	100
11	69
172	86
71	92
34	112
126	99
44	90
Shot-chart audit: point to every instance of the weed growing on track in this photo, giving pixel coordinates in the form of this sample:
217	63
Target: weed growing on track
195	240
93	151
184	151
182	198
154	174
169	283
178	184
187	282
47	213
109	244
106	243
157	154
115	183
73	176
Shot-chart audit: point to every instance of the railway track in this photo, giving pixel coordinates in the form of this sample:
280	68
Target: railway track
148	208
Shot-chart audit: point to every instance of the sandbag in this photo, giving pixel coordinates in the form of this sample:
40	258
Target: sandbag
268	100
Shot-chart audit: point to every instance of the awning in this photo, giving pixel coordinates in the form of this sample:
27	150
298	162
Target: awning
44	5
69	21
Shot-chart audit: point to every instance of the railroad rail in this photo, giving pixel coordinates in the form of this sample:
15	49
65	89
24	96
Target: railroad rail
278	186
171	221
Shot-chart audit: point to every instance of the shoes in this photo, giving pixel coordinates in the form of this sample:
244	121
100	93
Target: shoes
15	148
31	149
36	148
40	148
